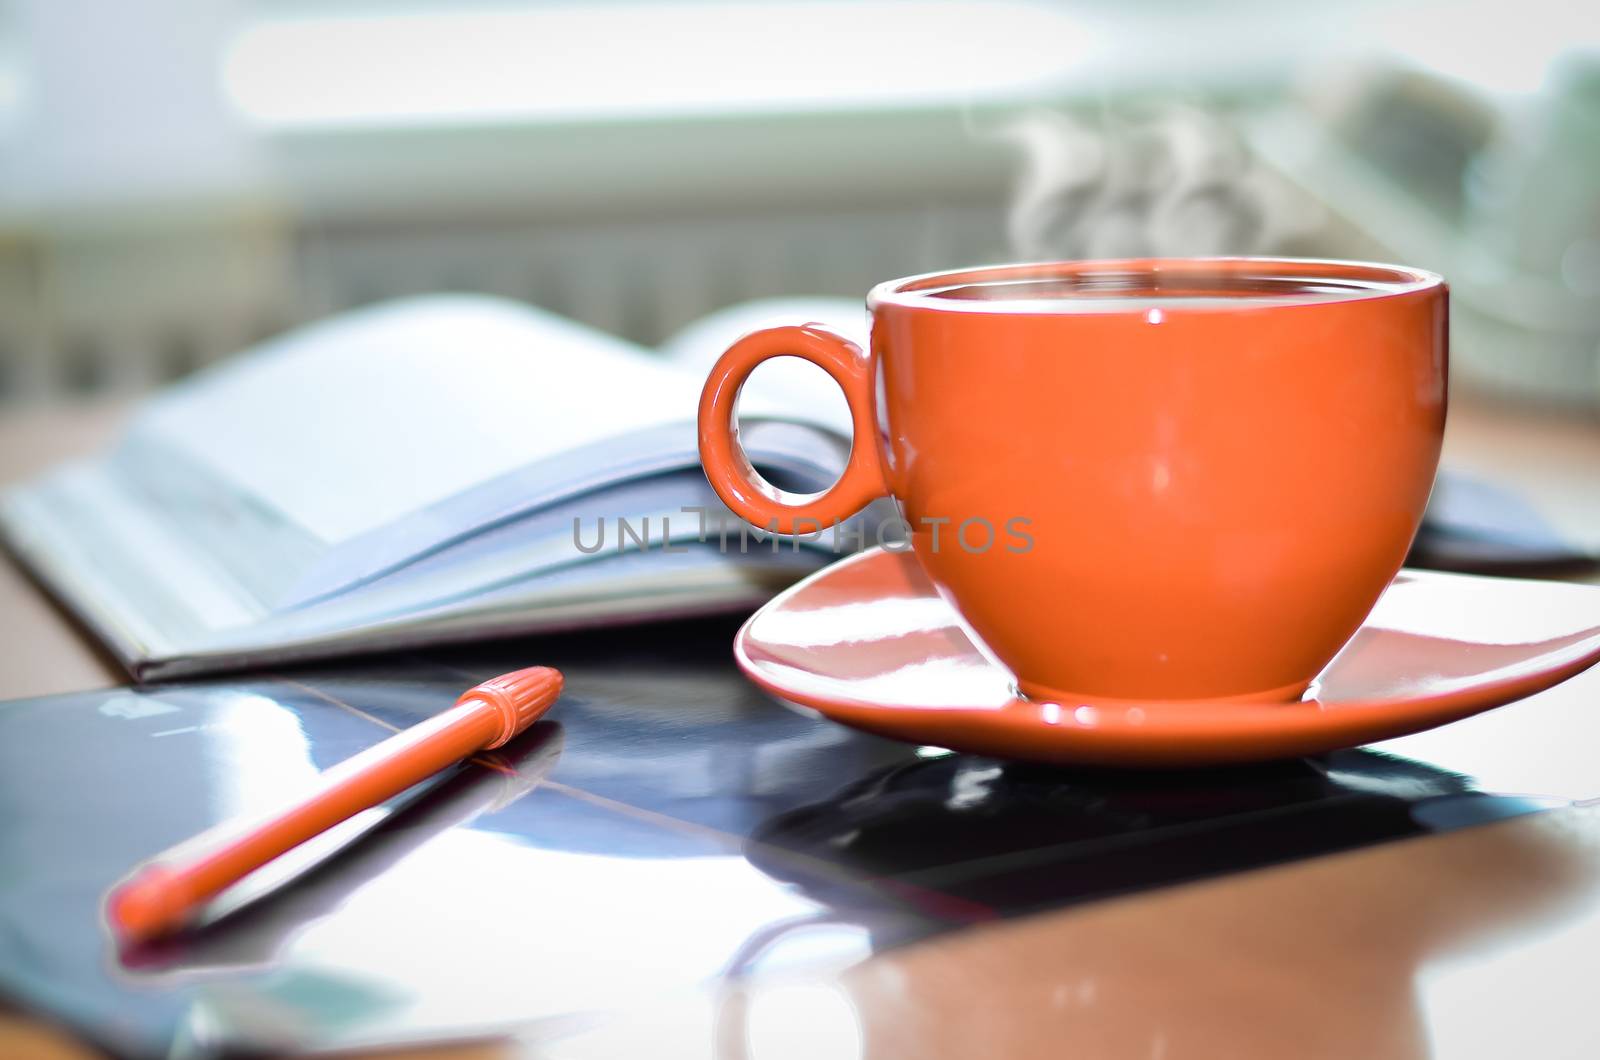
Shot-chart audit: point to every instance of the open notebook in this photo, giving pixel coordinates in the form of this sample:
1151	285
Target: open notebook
437	468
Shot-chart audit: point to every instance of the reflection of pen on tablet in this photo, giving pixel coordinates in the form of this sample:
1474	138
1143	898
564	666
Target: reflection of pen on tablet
249	933
166	891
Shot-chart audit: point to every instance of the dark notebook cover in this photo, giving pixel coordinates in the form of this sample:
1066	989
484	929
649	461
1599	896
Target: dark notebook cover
669	826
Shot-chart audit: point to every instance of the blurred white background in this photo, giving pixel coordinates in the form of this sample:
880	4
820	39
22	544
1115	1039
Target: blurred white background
179	178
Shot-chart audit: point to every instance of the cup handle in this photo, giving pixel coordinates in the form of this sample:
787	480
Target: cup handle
739	485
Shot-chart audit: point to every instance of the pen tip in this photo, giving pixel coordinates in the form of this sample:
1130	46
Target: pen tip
145	905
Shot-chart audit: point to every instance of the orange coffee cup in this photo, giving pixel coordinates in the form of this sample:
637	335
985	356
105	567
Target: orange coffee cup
1160	479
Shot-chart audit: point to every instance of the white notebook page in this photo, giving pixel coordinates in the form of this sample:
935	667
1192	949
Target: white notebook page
347	425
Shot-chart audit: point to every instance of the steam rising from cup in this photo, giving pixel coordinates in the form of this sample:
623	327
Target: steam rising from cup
1173	182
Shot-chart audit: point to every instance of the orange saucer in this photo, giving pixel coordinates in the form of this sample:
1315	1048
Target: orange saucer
869	643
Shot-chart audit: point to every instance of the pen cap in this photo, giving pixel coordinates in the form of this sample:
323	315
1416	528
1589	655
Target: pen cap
521	698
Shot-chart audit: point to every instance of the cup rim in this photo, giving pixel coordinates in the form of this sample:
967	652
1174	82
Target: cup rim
915	292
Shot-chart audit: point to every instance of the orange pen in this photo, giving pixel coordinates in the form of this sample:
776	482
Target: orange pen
166	891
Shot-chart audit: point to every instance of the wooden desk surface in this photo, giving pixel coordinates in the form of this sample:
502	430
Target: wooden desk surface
1482	942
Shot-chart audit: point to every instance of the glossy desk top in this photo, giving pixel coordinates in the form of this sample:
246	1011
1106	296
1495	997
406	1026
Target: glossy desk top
1483	943
670	831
